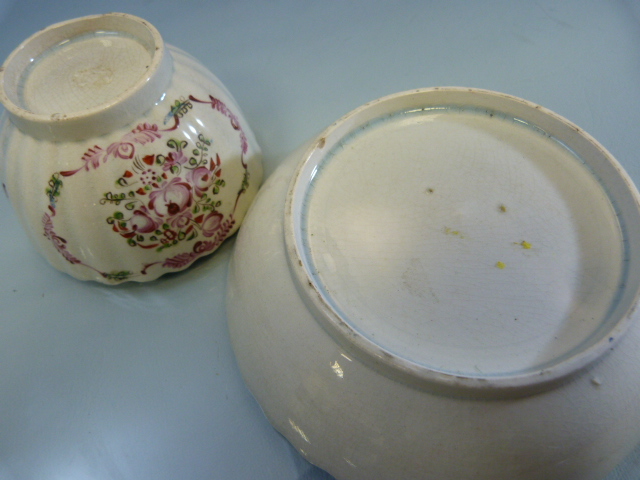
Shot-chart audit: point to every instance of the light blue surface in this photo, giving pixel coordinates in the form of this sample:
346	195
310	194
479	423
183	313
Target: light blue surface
138	382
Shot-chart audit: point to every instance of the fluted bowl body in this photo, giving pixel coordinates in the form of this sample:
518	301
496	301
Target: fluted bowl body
132	162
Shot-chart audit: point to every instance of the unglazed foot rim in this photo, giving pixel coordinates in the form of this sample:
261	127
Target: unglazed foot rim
129	99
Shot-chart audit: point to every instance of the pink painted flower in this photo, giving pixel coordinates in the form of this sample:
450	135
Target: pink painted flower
169	236
211	224
181	220
143	222
203	247
201	178
171	198
123	150
176	158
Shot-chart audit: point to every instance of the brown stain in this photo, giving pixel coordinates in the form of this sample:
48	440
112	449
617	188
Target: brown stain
321	143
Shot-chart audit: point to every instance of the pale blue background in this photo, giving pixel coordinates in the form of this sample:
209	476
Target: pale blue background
138	382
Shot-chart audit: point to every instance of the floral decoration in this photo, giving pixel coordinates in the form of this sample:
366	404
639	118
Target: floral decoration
161	199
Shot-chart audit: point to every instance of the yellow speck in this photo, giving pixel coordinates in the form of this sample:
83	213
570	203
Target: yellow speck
526	245
503	208
500	265
337	369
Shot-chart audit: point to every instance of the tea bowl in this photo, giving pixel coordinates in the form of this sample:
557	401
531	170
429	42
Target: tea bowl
443	285
124	157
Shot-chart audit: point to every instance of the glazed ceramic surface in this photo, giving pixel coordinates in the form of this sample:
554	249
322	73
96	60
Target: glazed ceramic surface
124	158
138	381
443	285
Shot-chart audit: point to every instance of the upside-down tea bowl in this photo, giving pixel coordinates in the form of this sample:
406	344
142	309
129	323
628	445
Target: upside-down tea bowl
443	285
124	157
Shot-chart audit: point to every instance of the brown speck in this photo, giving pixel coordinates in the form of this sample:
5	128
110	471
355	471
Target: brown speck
321	143
502	208
430	190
